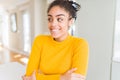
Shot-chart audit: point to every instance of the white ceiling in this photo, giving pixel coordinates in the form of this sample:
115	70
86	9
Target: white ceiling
8	3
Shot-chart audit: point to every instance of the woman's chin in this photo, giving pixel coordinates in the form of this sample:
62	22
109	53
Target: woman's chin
54	36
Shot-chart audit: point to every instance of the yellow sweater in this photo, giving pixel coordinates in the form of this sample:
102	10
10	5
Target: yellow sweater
55	58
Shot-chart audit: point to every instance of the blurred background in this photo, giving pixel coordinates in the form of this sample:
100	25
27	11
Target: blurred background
98	22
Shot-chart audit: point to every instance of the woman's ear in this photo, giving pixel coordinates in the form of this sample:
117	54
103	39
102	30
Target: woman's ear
71	21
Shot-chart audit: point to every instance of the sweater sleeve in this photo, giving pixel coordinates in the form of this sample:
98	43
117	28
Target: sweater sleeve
80	57
33	63
47	77
34	58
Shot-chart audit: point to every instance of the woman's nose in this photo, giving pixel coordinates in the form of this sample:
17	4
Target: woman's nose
54	23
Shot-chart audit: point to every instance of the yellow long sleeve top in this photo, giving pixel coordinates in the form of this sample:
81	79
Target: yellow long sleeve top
54	58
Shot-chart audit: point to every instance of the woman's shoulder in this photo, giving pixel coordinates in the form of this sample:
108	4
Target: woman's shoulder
79	40
41	37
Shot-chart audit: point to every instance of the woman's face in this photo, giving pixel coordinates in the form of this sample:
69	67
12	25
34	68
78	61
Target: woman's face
58	23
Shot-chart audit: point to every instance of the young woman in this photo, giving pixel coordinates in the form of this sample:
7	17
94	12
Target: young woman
58	56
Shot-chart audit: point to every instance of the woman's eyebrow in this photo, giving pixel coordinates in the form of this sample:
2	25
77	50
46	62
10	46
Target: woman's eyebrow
49	15
56	15
60	15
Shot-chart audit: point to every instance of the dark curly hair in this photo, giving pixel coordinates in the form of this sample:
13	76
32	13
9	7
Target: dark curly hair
70	6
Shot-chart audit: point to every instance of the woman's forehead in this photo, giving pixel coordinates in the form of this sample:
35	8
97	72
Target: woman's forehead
57	11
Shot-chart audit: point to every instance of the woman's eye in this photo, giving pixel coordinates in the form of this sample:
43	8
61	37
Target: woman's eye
59	19
50	19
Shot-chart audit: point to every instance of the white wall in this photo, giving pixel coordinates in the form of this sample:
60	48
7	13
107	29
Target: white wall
115	75
16	39
96	24
40	17
38	24
4	29
116	52
116	55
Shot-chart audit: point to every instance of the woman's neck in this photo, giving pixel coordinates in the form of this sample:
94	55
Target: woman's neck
61	38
